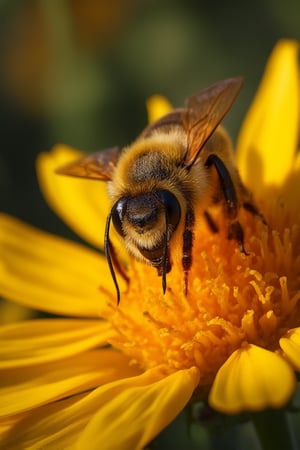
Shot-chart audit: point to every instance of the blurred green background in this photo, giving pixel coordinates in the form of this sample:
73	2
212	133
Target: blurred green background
79	71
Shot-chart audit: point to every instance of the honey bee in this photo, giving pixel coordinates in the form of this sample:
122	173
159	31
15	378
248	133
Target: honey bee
175	170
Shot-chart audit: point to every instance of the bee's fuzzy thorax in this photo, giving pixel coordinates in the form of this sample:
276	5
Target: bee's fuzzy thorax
156	163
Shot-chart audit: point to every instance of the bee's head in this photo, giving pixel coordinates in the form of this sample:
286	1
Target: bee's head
146	214
146	222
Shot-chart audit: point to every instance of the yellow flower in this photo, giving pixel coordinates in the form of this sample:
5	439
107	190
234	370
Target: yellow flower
113	376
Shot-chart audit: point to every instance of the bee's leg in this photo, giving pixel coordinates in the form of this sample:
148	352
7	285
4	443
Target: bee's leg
188	237
251	208
211	223
235	230
227	186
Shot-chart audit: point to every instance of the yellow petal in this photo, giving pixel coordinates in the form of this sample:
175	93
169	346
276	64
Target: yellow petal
7	423
82	204
30	387
59	424
40	428
291	189
13	312
131	418
252	379
39	341
157	106
290	345
49	273
268	139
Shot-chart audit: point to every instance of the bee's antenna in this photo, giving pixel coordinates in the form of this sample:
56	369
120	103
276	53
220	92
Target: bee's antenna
165	260
108	249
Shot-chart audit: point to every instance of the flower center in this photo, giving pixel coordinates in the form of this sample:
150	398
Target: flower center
232	298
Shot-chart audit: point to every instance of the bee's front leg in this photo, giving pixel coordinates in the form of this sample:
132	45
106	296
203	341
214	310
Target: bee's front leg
231	204
236	232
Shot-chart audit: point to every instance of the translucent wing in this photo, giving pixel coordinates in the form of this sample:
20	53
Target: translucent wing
204	112
97	166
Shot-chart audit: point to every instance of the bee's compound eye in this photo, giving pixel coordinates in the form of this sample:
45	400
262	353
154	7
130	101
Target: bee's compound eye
171	206
117	214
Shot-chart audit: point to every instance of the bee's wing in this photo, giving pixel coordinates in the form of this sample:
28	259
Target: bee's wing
204	112
97	166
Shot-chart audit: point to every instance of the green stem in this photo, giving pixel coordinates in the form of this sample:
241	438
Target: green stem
274	430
